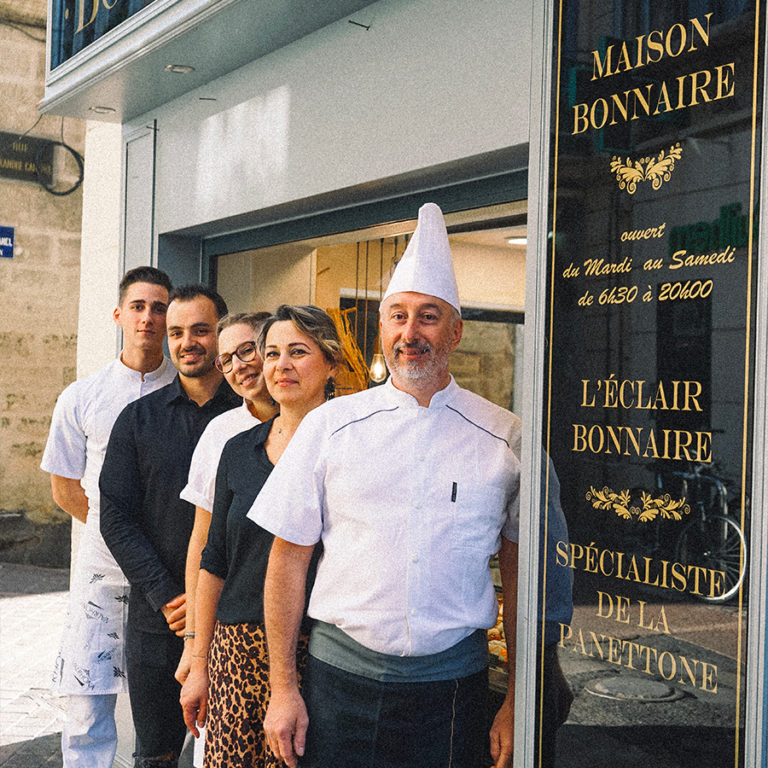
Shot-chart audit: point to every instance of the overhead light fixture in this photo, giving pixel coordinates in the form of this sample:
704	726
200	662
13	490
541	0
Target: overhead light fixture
179	69
378	369
101	110
517	240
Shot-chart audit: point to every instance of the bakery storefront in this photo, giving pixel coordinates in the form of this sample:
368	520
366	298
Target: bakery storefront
280	152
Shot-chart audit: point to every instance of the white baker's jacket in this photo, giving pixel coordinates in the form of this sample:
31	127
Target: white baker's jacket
82	422
91	657
201	482
410	503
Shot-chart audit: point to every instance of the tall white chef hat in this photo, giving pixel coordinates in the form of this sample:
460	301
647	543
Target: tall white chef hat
427	266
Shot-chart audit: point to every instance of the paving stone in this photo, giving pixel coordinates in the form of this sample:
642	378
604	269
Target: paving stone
42	752
33	603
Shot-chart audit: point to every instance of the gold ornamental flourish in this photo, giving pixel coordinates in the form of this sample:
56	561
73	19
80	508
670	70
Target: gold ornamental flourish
656	169
610	500
663	506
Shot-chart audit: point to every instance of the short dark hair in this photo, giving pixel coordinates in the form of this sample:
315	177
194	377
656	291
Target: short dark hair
313	321
143	275
254	319
189	292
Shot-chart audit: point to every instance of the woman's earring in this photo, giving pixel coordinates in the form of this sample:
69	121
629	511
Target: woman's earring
330	388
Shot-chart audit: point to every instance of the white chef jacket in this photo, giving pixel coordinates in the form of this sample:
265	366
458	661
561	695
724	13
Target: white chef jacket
410	503
92	657
201	483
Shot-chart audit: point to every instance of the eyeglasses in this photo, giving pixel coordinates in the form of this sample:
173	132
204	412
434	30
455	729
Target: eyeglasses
244	353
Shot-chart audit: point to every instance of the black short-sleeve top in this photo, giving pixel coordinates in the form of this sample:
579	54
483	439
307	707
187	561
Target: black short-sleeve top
238	549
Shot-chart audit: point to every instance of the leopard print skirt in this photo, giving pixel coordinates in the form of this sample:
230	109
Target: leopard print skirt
238	695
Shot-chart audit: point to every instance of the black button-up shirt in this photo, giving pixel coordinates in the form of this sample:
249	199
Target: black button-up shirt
143	521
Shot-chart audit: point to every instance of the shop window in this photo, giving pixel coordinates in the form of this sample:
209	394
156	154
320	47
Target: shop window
348	273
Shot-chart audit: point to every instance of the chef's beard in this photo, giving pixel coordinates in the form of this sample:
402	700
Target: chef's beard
432	366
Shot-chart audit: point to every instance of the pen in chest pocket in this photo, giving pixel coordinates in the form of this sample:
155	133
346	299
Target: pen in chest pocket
454	491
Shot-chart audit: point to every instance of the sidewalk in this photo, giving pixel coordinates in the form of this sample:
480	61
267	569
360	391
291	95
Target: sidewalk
33	604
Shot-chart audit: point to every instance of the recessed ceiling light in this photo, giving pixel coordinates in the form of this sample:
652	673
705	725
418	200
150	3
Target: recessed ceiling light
517	240
101	110
179	69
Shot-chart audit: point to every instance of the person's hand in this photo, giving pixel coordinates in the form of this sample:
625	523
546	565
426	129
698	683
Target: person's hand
503	735
185	662
175	612
194	698
285	725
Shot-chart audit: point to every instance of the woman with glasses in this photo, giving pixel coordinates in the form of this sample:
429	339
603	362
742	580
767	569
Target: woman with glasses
240	362
228	684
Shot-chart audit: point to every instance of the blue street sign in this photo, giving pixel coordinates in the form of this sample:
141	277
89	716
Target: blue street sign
6	242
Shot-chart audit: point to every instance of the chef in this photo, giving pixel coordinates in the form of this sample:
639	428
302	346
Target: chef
411	487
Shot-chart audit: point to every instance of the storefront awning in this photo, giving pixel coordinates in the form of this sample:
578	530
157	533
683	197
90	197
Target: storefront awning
166	48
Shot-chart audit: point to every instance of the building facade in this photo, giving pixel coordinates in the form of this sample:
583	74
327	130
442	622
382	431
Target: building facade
39	284
280	151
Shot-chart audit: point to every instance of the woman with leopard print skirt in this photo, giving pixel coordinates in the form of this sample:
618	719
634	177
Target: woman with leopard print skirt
228	685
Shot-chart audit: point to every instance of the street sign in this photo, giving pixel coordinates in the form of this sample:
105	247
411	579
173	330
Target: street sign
6	242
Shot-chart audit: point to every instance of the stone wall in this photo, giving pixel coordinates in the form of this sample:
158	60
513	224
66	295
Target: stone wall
39	295
485	360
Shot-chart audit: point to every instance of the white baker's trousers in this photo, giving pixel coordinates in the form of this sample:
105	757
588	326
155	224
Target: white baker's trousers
89	735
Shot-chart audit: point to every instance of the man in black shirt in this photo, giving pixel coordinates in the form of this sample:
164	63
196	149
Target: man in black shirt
147	526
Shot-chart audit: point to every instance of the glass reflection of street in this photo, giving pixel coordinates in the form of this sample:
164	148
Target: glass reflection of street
651	699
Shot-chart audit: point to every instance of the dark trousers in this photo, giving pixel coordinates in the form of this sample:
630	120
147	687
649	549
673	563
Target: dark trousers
553	702
154	694
356	722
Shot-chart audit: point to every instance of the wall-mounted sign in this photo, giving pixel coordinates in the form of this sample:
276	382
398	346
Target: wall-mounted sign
27	158
654	174
6	242
78	23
